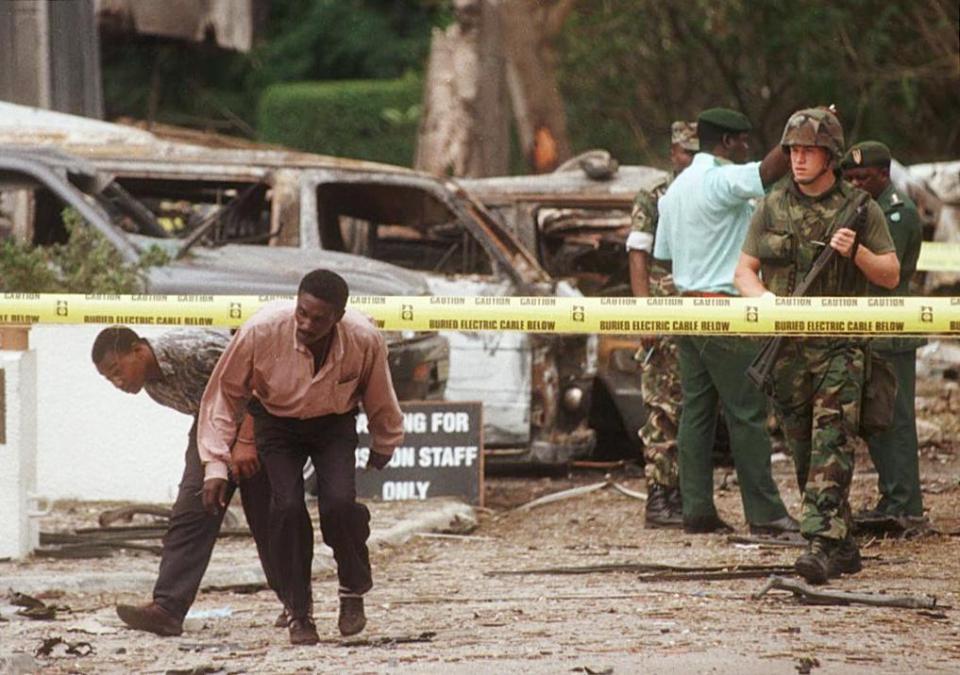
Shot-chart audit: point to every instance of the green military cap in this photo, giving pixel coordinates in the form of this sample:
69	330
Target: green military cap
726	119
684	134
867	153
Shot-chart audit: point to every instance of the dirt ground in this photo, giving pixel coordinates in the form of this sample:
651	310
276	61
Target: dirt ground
436	607
439	590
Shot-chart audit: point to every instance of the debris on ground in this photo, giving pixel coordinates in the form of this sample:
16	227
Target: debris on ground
91	626
389	640
658	571
33	608
581	491
809	595
57	646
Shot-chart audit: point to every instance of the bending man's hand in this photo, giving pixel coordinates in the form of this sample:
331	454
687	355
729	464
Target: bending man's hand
244	459
377	460
214	495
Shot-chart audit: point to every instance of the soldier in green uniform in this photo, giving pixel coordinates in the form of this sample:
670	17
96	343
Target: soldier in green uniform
818	381
660	386
894	451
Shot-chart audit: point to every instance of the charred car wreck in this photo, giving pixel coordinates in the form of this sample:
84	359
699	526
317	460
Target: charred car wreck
251	209
577	226
36	186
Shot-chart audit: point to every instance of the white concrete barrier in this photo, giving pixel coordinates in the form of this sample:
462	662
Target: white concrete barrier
18	446
94	442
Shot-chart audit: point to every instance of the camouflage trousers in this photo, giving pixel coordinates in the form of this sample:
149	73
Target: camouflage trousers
817	398
662	396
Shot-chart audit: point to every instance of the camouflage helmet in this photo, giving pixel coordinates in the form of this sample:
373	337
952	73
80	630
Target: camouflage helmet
814	126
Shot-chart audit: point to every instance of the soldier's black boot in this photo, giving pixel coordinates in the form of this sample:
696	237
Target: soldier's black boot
676	500
660	512
816	564
845	558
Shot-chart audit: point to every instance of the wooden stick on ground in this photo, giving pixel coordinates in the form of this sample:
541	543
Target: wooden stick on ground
814	596
642	568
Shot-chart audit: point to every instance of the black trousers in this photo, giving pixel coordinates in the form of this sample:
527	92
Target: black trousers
330	442
192	533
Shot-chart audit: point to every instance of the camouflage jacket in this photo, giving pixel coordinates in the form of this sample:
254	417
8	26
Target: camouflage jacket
186	358
644	217
789	230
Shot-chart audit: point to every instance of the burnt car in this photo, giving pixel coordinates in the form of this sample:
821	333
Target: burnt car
577	227
535	388
35	186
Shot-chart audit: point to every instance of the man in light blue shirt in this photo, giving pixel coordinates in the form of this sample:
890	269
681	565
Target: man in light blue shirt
704	218
703	235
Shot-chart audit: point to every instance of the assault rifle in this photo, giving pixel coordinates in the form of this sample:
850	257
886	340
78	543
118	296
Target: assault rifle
760	371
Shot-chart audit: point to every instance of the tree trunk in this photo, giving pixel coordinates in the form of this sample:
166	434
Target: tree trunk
529	29
464	130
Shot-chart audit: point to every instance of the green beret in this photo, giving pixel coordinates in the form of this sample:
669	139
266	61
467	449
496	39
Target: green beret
726	119
868	153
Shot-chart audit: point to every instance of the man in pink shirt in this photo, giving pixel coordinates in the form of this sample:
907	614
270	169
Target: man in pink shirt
304	368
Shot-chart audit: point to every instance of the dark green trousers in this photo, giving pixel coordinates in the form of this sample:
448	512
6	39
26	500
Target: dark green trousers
894	452
712	371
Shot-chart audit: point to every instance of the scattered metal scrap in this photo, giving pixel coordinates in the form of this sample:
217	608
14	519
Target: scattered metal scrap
389	640
660	572
196	670
242	589
126	513
900	527
589	670
579	492
808	595
79	648
105	540
32	608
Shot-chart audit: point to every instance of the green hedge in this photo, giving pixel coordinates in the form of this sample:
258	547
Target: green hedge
363	119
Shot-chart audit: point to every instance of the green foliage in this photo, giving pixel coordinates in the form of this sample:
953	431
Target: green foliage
87	263
365	119
203	86
630	67
347	39
25	269
199	86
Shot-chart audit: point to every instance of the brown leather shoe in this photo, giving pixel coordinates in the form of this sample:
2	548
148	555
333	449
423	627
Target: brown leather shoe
303	632
352	620
283	619
151	618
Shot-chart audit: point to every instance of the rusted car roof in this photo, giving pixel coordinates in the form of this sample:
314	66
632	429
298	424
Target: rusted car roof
565	185
27	126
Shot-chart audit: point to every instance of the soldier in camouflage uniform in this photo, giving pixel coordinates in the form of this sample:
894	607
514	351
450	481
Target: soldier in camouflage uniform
818	381
660	386
173	369
894	451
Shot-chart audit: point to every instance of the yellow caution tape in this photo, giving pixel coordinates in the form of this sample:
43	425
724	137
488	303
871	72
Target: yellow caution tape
939	256
683	316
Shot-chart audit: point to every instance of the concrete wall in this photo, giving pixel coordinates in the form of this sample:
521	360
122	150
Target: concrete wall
95	441
18	395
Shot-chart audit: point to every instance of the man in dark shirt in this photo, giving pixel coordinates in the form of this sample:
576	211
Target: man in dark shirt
895	451
173	369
